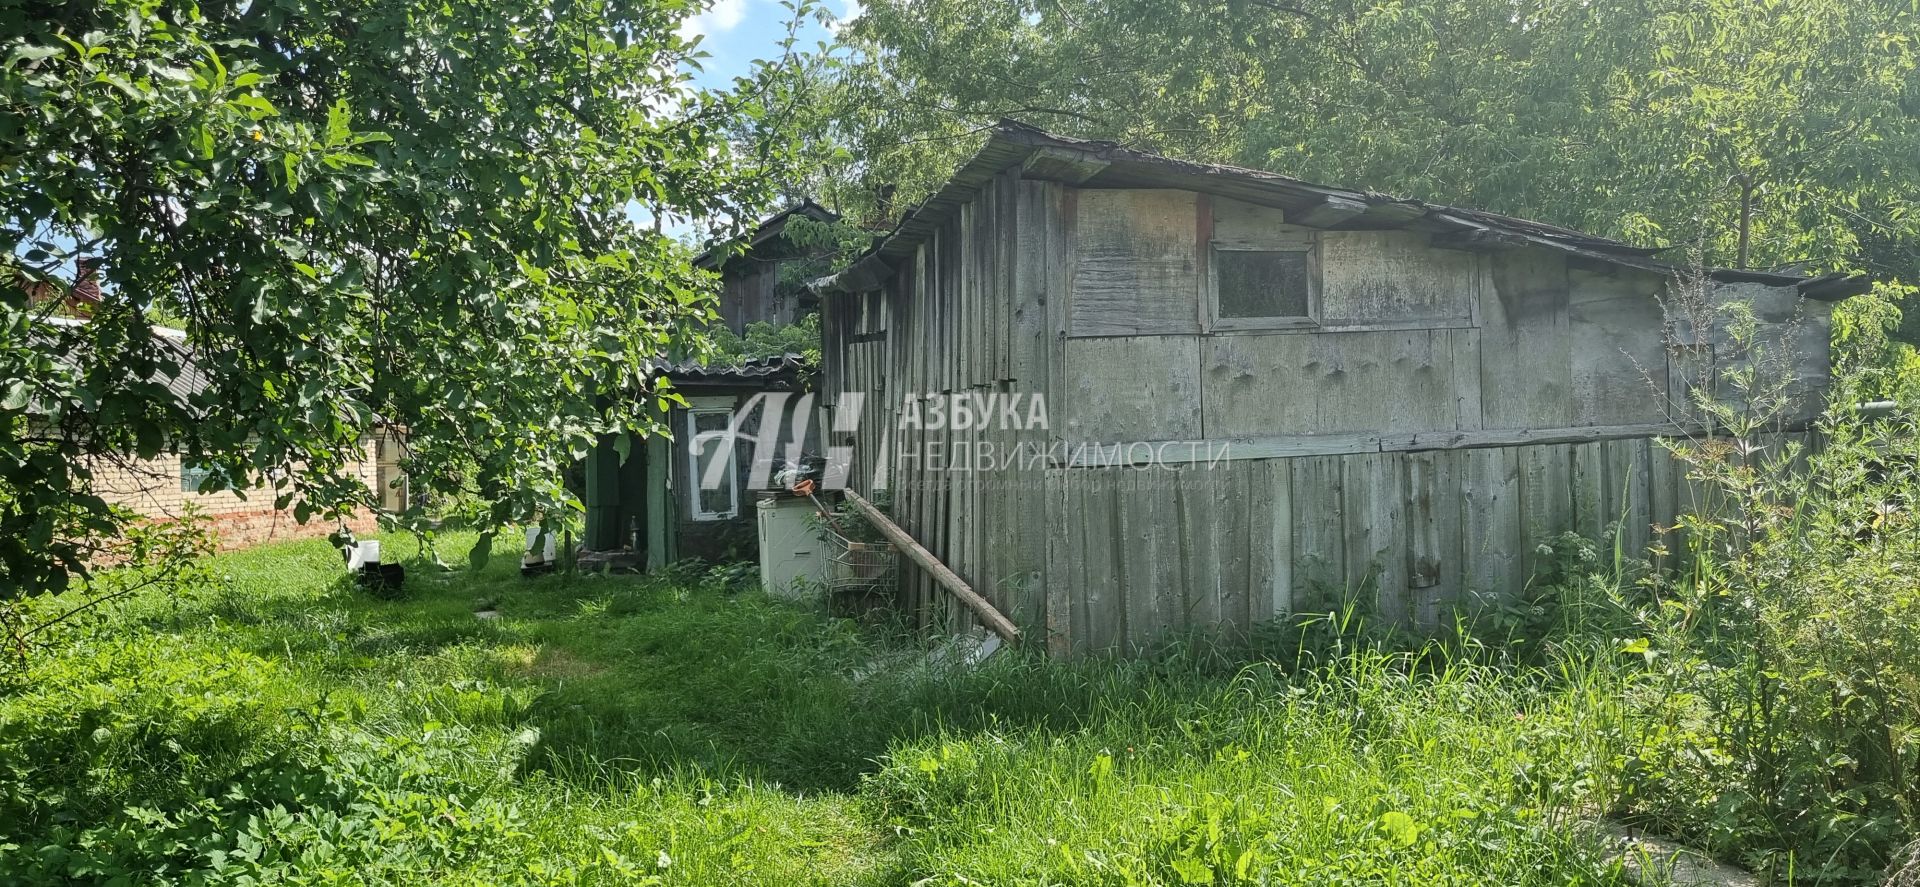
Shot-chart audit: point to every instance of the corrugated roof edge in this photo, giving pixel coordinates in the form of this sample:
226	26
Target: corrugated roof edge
760	369
1014	143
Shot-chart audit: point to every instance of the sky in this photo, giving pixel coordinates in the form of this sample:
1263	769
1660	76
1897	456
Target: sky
735	32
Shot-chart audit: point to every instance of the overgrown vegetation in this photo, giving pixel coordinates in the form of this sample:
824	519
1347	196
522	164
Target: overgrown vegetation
610	730
681	729
364	215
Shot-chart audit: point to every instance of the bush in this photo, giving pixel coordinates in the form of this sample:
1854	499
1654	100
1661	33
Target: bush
149	762
1773	686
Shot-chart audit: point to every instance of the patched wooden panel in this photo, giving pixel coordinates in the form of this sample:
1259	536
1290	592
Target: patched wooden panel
1239	225
1618	364
1525	357
1134	388
1393	277
1328	383
1137	264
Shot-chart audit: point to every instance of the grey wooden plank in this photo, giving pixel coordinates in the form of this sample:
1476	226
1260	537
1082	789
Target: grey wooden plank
1372	276
1319	533
1464	362
1243	225
1062	233
1169	551
1103	608
1138	388
1376	532
1591	514
1491	539
1140	527
1240	602
1330	383
1271	539
1546	501
1212	530
1062	546
1010	245
1082	453
1618	363
1525	355
1629	470
1501	437
1435	572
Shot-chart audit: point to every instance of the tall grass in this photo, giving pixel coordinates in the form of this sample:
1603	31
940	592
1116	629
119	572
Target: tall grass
278	725
679	730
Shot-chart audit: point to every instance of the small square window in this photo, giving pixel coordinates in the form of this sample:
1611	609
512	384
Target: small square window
1255	287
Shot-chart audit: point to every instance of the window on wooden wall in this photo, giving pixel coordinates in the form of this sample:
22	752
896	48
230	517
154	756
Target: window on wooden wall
1263	288
713	481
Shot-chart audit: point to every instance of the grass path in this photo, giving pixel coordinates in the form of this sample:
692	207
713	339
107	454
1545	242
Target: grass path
617	730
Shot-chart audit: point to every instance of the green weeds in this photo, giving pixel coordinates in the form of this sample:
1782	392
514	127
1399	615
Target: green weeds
281	726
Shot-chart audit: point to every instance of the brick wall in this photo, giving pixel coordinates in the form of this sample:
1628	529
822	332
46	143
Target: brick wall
154	488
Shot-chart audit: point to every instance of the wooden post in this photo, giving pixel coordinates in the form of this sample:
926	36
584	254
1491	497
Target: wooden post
993	618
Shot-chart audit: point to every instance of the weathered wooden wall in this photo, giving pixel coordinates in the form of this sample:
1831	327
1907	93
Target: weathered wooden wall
1447	411
962	319
750	293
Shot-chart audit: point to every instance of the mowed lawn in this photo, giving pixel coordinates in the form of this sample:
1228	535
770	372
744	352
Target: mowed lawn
285	727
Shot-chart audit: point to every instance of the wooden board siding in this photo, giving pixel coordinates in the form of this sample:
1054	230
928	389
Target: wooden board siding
1136	269
1330	383
1618	362
1406	536
1525	351
967	317
1135	388
1394	277
1248	226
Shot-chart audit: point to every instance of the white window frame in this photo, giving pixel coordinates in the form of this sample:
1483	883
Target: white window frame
1308	321
709	406
200	472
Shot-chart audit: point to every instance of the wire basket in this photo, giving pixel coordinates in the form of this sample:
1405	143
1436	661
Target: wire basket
860	565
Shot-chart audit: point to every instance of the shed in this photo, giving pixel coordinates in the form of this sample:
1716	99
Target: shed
662	501
1122	395
648	502
751	289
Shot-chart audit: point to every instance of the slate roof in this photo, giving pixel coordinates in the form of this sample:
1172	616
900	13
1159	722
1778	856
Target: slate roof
1099	164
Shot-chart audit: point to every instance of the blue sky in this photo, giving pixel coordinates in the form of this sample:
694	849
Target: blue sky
736	32
733	34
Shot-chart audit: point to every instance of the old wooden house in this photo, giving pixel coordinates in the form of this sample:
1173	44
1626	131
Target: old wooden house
753	285
1262	395
645	501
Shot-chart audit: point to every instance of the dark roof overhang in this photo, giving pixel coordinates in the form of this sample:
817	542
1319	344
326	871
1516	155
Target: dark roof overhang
1098	164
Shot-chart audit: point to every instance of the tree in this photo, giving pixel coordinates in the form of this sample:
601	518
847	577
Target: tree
1769	133
411	212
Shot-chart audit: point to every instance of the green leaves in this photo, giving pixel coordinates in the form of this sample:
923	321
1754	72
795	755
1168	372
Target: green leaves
412	209
480	553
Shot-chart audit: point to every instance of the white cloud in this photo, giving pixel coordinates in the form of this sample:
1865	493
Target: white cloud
849	10
722	16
